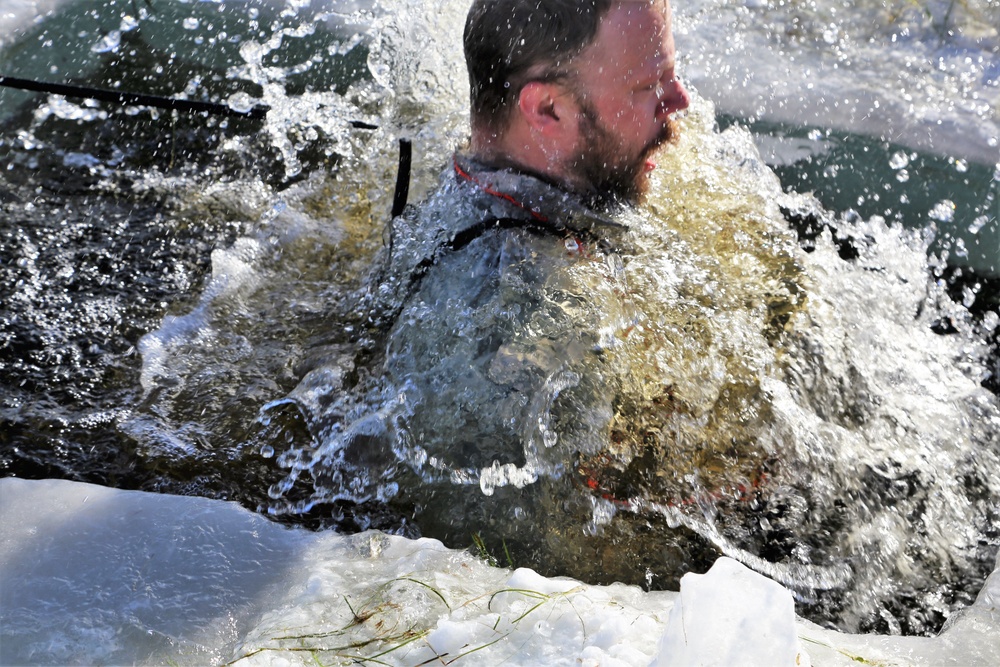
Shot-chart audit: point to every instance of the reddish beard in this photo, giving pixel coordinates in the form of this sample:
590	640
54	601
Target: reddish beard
614	175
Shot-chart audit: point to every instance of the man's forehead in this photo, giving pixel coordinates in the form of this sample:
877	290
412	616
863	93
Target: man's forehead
633	34
637	13
661	7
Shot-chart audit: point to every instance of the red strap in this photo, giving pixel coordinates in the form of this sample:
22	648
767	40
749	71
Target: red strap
502	195
745	492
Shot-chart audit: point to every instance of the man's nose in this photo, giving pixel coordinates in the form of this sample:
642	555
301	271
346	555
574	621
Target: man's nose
674	97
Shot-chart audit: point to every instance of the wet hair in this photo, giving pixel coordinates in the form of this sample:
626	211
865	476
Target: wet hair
511	42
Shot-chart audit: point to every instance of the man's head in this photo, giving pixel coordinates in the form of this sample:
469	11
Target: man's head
579	91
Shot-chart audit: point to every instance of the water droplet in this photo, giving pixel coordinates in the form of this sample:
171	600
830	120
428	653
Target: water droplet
109	42
267	451
241	102
252	52
961	251
191	23
943	211
899	160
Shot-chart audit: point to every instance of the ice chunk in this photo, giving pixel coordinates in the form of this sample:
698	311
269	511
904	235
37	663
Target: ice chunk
731	616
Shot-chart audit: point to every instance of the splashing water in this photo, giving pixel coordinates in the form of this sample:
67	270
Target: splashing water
754	344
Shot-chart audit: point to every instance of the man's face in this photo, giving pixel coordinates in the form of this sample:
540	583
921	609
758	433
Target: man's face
626	93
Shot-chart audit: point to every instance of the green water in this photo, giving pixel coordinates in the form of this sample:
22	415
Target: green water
873	177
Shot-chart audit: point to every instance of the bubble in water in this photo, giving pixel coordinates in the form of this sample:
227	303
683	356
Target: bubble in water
990	321
75	159
267	451
252	52
903	175
961	251
386	492
128	23
191	23
108	43
241	102
899	160
61	108
978	224
943	211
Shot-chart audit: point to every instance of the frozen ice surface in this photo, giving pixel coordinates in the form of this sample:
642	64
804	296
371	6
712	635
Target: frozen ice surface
102	576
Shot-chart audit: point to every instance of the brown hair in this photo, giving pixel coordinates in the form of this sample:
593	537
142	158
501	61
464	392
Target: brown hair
511	42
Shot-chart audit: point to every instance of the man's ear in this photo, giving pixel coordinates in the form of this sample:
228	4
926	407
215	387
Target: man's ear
544	106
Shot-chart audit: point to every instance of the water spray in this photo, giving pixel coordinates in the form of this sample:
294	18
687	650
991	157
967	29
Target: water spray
256	112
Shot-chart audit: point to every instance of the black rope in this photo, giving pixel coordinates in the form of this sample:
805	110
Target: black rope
121	97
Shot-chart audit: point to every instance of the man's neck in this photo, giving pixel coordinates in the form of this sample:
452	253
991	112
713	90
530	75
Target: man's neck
499	161
517	150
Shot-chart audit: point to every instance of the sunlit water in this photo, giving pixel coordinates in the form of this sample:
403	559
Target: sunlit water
183	303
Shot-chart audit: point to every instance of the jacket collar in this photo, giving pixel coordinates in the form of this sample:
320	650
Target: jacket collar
527	197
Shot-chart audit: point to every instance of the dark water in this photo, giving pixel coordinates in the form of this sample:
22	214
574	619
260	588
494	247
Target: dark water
93	258
101	245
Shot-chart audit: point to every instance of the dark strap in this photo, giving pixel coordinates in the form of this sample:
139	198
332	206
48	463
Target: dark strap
402	191
470	234
467	236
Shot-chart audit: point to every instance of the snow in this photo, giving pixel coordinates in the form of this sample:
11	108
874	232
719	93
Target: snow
96	575
711	606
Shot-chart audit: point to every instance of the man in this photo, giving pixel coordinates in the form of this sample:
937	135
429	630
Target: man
517	401
579	94
606	391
